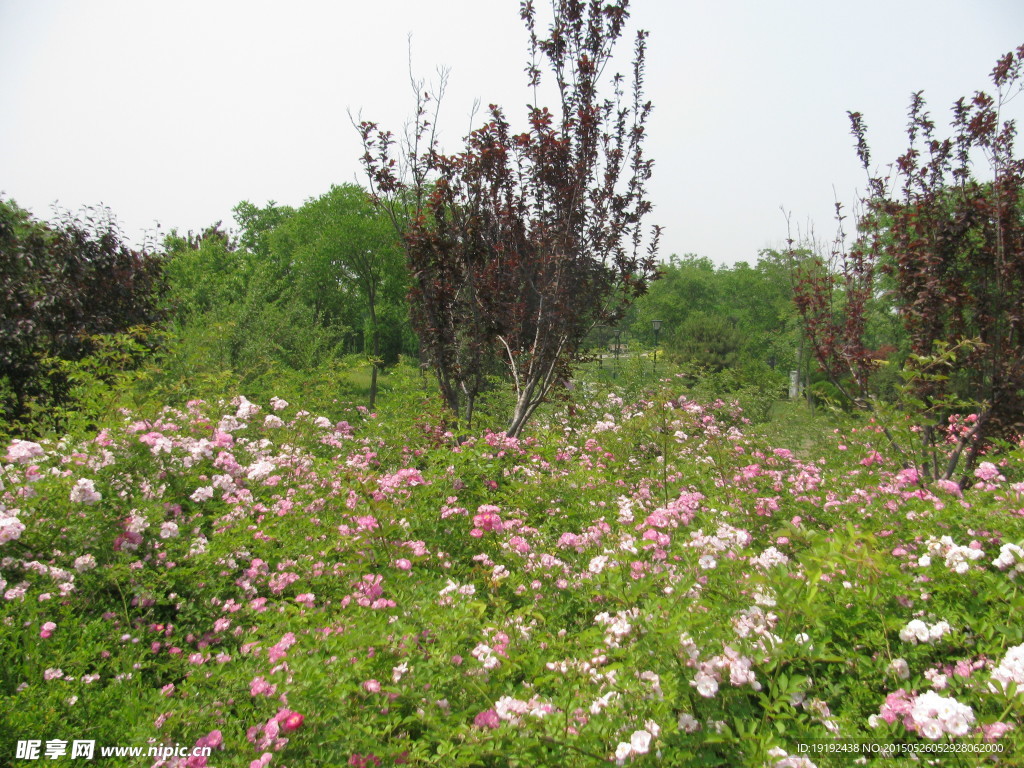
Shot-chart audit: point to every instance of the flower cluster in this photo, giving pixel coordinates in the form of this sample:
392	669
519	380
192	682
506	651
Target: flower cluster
918	631
1011	669
731	664
1010	559
929	714
957	558
639	743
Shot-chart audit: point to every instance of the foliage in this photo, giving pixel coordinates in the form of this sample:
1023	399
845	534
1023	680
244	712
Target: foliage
63	287
707	340
950	249
234	311
256	224
345	261
523	242
204	272
746	311
292	294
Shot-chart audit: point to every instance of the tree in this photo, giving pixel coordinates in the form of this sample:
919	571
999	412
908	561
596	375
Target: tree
257	223
203	272
343	252
60	286
712	341
951	248
522	242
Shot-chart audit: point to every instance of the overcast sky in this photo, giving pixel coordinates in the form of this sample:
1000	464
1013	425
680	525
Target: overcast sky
173	112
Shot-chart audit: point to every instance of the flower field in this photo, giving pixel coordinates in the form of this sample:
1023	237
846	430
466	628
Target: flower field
649	583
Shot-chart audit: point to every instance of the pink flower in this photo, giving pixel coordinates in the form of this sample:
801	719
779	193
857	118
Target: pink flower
11	528
487	518
995	731
989	472
214	740
897	705
85	492
278	651
23	451
260	687
370	587
487	719
47	630
872	458
371	686
290	721
403	564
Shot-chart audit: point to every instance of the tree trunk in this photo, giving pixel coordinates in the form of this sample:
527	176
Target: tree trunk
376	352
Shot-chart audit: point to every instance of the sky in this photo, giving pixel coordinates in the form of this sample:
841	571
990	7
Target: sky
170	113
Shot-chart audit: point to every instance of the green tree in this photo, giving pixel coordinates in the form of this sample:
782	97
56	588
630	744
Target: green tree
711	341
343	254
255	225
203	272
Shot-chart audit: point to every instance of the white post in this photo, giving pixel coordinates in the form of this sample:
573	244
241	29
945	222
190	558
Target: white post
794	385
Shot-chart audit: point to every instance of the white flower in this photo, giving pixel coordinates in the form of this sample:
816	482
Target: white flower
900	668
602	702
1011	556
85	492
623	751
688	723
202	494
770	558
706	685
935	715
1011	669
11	528
246	410
917	631
24	451
640	742
260	470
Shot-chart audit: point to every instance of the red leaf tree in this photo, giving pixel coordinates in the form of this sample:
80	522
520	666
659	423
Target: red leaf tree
524	241
951	247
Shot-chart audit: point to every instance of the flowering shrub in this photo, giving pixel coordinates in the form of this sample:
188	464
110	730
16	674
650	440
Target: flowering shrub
672	590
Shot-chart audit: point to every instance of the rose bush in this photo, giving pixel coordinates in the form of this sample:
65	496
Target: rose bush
648	582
